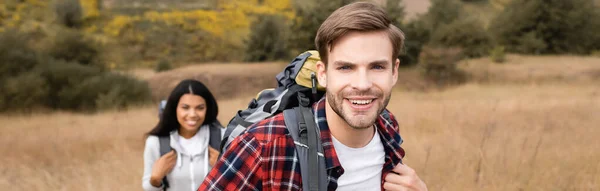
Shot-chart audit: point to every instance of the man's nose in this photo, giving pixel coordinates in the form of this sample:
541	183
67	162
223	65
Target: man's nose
361	80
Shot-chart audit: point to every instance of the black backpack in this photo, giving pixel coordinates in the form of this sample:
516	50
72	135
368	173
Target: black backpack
296	92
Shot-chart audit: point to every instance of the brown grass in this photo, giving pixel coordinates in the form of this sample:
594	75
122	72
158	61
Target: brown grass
68	151
534	69
512	135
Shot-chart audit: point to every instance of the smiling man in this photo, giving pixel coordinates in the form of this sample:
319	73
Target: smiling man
359	48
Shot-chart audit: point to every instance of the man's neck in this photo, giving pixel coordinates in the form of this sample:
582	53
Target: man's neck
349	136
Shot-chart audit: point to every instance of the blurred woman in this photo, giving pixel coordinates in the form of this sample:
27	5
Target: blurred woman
182	148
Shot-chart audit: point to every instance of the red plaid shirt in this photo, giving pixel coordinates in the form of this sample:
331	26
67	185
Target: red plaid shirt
264	158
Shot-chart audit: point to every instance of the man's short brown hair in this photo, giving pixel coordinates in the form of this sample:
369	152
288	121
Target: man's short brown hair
359	16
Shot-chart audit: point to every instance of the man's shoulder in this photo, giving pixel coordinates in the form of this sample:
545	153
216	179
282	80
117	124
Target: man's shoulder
268	129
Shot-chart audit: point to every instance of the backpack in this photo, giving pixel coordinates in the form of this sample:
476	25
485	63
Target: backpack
165	141
297	90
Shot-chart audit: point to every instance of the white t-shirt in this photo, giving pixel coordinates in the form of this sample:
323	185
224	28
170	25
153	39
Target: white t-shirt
362	166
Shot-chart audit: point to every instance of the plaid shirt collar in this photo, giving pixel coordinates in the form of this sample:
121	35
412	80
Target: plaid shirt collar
387	129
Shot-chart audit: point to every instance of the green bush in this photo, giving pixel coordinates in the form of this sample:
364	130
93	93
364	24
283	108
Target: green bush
395	11
3	107
24	92
148	41
73	46
17	87
418	31
163	65
439	65
63	76
530	43
548	26
417	34
15	54
106	91
442	12
69	13
596	53
468	34
267	39
497	54
67	72
311	14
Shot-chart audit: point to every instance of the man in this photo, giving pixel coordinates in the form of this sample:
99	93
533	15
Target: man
359	50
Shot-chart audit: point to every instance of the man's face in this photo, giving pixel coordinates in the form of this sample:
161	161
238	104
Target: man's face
359	77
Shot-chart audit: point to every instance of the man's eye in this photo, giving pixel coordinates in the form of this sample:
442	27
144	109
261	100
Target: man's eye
378	67
343	68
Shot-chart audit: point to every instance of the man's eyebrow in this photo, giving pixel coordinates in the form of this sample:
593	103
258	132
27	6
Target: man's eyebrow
341	62
379	62
376	62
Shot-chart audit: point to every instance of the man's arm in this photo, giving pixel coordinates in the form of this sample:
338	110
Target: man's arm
238	168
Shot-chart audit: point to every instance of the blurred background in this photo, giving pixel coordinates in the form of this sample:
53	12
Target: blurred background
492	94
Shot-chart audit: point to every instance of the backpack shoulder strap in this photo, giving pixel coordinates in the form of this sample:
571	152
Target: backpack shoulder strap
164	143
215	135
303	130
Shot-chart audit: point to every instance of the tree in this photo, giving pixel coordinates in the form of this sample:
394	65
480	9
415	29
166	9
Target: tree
418	31
395	11
267	39
548	26
310	14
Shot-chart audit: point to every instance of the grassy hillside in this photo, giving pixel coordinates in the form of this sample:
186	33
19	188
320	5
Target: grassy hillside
530	126
496	137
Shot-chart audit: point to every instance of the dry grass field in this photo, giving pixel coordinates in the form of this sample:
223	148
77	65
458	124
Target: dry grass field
520	128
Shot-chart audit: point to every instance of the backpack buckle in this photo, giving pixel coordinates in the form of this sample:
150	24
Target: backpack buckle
303	100
313	79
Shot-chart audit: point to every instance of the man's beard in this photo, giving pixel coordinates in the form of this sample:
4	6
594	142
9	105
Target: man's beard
358	122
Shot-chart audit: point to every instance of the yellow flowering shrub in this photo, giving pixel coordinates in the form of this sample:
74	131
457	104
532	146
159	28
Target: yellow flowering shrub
14	13
90	8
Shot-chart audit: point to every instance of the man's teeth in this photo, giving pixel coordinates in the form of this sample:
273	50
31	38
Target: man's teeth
361	102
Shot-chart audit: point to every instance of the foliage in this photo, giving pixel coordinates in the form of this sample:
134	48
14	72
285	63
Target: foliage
548	26
497	54
467	34
37	78
24	92
69	13
163	65
419	31
267	39
72	46
105	91
417	34
310	14
440	65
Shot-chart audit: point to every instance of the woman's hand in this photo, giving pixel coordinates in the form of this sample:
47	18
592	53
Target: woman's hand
213	156
162	167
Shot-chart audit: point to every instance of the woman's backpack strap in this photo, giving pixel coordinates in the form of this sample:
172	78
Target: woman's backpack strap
164	143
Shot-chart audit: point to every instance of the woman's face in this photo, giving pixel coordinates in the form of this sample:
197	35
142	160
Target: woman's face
191	111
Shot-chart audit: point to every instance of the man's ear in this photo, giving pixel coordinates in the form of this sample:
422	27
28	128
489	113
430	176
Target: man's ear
395	72
322	73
